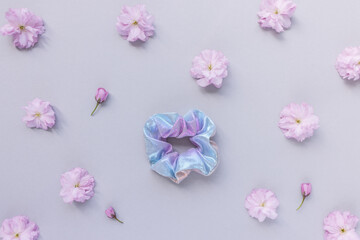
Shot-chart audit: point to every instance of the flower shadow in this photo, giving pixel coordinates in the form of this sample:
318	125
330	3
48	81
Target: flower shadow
89	204
278	36
351	83
223	90
211	89
269	222
59	124
42	43
140	44
307	142
294	22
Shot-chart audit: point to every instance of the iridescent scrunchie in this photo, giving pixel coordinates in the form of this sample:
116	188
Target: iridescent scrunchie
196	125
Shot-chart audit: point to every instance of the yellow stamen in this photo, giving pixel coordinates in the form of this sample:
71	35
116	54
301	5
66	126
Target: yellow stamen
262	205
22	27
298	121
210	67
276	11
17	235
343	230
37	114
77	185
135	22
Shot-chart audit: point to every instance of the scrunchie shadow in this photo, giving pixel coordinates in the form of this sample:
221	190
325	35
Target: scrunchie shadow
196	125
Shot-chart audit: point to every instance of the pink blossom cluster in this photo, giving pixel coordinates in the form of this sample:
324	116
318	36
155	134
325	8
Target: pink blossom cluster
39	114
19	228
348	63
261	204
276	14
135	23
298	121
210	67
77	185
340	226
24	26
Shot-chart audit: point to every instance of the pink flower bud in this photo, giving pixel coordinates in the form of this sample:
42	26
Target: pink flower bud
101	95
306	189
110	212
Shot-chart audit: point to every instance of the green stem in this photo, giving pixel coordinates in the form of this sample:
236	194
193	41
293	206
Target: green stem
301	203
97	104
118	220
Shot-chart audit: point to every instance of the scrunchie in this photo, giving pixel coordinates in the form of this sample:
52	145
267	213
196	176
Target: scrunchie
196	125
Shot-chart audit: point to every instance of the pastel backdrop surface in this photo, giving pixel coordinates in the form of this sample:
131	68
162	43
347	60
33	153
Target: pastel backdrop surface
81	51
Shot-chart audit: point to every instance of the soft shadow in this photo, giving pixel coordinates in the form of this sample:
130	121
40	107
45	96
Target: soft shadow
43	42
306	142
294	22
140	44
279	36
267	222
60	121
43	39
212	89
351	83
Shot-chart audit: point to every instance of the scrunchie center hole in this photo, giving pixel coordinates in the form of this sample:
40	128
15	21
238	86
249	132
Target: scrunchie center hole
180	145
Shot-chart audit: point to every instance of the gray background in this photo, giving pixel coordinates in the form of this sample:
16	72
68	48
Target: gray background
81	51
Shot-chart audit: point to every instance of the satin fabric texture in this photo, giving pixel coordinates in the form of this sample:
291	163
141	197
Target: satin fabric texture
203	158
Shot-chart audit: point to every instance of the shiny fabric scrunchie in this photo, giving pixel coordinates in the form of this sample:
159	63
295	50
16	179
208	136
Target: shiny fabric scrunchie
196	125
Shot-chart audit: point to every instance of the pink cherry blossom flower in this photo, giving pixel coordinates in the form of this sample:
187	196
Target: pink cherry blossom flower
110	212
298	121
100	97
24	26
276	14
340	226
19	228
135	23
77	185
305	192
210	67
348	63
39	114
262	203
